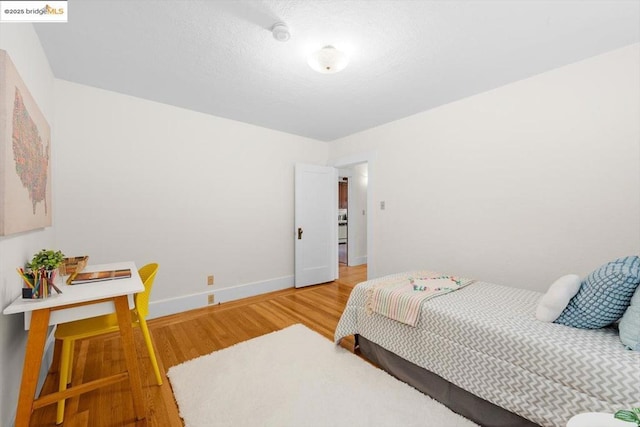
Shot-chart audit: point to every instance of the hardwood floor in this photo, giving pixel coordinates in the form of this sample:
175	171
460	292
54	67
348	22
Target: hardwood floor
183	336
342	254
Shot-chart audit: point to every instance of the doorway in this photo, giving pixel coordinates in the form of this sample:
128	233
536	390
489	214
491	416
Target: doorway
325	255
343	220
352	215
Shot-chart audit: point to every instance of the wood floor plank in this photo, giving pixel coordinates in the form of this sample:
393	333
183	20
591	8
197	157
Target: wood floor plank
181	337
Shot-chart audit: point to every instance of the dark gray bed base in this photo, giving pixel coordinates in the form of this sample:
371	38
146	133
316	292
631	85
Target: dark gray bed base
458	400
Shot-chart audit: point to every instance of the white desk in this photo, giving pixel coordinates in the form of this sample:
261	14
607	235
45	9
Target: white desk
78	302
75	294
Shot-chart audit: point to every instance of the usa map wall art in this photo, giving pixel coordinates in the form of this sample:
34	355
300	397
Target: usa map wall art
25	156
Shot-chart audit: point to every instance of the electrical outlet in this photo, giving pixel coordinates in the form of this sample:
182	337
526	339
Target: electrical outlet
210	299
210	280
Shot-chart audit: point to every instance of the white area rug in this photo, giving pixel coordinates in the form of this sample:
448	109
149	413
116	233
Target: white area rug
296	377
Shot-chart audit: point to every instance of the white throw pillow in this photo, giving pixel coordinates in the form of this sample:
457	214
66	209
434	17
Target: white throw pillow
557	297
629	325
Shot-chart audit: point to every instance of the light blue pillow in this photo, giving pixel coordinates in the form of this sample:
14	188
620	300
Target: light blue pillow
604	295
629	325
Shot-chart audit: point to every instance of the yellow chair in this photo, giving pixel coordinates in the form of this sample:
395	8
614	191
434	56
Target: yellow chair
69	332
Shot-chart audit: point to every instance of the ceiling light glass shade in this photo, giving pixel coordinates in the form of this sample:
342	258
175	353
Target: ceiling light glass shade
328	60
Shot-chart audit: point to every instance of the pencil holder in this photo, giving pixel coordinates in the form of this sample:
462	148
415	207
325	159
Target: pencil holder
39	283
28	293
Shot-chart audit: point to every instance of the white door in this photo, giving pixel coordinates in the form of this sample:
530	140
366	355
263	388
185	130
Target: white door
316	222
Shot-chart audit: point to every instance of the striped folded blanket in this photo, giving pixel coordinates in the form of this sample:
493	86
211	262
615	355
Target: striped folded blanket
400	297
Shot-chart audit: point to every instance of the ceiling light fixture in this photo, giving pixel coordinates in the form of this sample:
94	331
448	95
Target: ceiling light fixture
280	32
328	60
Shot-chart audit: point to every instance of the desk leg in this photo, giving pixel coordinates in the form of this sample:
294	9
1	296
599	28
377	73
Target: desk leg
126	332
31	369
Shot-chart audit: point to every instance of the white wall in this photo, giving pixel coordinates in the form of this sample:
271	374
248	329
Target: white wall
199	194
23	46
518	185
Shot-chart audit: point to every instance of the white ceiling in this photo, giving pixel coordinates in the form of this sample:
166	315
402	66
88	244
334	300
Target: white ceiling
219	57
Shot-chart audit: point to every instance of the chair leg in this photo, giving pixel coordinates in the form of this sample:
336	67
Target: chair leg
72	347
149	343
64	377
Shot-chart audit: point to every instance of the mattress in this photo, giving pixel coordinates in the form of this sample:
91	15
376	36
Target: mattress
485	339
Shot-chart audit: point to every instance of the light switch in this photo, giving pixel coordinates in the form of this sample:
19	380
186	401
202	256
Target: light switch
382	205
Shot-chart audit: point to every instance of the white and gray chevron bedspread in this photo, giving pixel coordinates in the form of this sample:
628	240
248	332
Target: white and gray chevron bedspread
485	339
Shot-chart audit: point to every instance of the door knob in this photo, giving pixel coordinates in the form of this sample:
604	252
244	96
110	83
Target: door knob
299	233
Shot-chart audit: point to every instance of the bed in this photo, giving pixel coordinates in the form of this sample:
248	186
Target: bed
481	351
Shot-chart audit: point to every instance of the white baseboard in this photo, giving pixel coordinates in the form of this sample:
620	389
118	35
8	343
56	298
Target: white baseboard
190	302
357	261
